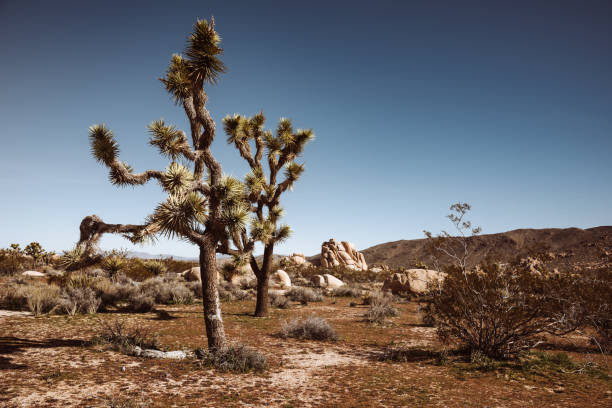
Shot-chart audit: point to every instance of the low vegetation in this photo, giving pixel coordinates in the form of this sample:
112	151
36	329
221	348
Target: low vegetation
236	358
381	307
309	328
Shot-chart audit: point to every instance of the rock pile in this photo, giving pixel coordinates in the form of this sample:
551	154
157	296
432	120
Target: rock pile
342	254
295	260
413	281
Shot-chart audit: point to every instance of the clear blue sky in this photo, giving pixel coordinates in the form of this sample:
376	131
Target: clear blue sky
415	105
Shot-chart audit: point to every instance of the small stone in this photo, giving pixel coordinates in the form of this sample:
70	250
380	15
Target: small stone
559	390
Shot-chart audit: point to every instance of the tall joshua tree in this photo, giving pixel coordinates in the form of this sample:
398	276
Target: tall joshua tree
264	192
202	203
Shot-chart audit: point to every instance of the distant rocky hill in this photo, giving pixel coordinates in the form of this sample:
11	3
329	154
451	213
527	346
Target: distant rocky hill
569	248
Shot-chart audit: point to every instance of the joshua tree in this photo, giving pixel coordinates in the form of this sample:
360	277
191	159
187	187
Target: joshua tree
202	203
264	192
36	251
15	252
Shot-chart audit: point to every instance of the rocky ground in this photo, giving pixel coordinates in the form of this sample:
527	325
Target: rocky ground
47	362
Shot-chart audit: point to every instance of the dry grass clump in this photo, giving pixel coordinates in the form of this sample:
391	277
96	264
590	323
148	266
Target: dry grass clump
303	295
406	354
236	358
348	291
42	299
310	328
278	301
123	337
381	307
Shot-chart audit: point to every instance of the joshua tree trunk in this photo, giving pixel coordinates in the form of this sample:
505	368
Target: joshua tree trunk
263	278
210	296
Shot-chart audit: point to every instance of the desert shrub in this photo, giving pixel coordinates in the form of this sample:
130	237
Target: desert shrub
113	263
381	307
195	288
141	303
13	296
229	292
278	301
499	311
348	291
310	328
82	300
155	268
594	297
401	354
167	290
123	337
236	358
303	295
41	299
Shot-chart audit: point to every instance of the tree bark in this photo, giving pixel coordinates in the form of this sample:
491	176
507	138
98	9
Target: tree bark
210	296
263	278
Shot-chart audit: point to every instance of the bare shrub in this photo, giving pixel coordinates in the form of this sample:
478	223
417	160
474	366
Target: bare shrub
406	354
381	307
229	292
310	328
13	296
236	358
303	295
278	301
123	337
499	311
348	291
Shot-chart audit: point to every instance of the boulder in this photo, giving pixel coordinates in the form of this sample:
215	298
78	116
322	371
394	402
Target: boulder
193	274
318	281
280	280
413	281
332	282
343	253
33	274
150	353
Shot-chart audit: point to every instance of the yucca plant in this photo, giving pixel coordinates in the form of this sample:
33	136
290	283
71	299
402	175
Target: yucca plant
263	190
201	202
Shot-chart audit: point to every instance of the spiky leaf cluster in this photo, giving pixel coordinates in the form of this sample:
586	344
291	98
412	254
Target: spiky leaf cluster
177	81
176	179
104	147
203	51
282	233
169	140
179	215
262	230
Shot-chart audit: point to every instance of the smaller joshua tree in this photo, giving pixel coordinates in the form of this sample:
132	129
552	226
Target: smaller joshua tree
263	191
36	251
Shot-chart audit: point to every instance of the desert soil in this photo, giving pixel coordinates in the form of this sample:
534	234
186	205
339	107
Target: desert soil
46	362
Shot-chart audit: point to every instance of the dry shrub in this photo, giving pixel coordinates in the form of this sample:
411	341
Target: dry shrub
407	354
310	328
155	268
79	300
278	301
499	312
303	295
13	296
236	358
167	290
42	299
381	307
195	288
141	303
123	337
348	291
229	292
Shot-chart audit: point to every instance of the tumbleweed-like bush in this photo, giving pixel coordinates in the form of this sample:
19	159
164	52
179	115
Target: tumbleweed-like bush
310	328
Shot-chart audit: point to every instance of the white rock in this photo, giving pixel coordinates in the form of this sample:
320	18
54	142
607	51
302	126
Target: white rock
318	281
280	280
33	274
332	282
